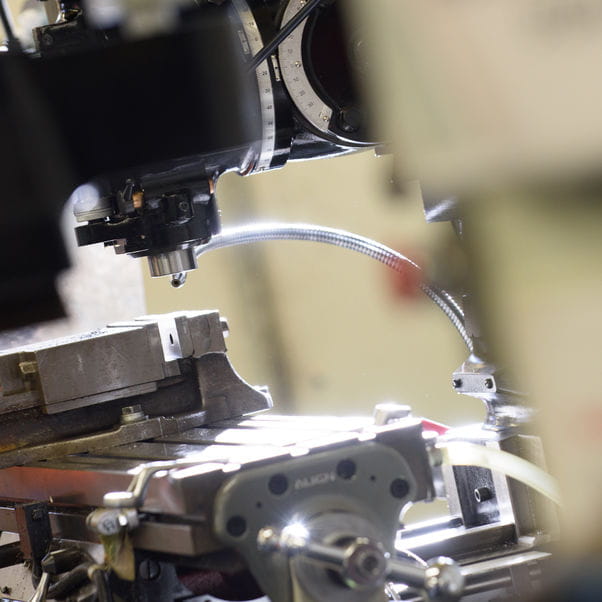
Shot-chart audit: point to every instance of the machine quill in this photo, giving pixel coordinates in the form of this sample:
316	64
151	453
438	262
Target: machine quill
135	463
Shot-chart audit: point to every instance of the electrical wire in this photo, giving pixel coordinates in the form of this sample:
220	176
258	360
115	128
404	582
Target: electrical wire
340	238
284	32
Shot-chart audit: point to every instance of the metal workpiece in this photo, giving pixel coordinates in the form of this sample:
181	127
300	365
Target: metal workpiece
506	407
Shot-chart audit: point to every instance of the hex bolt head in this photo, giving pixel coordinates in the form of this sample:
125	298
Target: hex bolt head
365	564
130	414
457	383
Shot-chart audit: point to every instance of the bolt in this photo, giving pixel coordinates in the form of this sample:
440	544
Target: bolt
489	383
6	590
138	199
457	382
28	368
130	414
369	564
268	539
149	570
482	494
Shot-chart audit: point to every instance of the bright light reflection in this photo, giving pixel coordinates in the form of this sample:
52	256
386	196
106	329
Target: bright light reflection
295	530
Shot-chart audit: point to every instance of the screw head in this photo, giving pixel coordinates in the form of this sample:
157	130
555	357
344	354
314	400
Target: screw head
130	414
278	484
346	469
482	494
399	488
236	526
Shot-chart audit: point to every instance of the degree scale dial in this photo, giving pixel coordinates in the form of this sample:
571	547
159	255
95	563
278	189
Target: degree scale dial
320	66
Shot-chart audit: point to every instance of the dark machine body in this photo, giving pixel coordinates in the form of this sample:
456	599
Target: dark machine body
151	123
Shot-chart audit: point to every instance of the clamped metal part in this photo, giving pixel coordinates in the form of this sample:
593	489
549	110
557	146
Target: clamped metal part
364	563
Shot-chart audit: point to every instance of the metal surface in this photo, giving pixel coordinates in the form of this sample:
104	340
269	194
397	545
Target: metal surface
92	368
176	466
78	393
42	589
254	43
172	262
494	579
153	427
290	53
363	564
506	407
366	484
202	478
